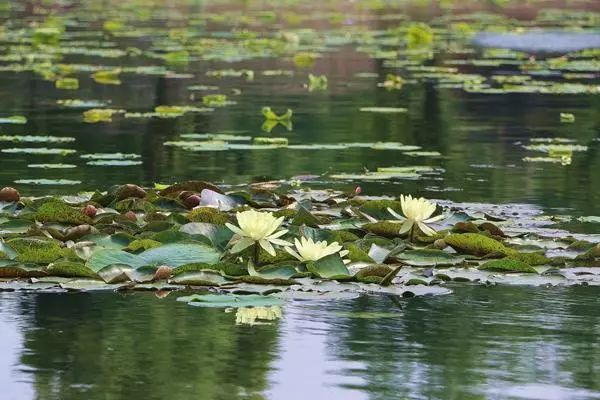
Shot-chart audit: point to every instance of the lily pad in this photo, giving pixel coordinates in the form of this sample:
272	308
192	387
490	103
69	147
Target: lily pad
230	300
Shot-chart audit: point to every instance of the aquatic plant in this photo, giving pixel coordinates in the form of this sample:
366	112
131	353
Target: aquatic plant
417	214
257	227
309	250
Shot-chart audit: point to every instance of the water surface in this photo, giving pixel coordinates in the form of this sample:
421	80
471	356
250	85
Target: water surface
480	342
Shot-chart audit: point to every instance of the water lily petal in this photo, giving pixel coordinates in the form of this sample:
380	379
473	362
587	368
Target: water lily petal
425	229
265	244
435	219
280	242
406	226
242	244
395	214
278	234
293	253
235	229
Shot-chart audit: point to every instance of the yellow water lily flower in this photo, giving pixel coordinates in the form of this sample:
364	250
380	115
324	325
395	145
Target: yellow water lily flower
417	212
309	250
257	227
250	315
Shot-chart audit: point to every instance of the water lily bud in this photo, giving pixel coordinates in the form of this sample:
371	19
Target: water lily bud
9	194
163	272
90	211
192	201
185	194
357	190
130	215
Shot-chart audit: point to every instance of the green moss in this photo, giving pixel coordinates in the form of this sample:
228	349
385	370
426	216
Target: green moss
265	258
531	258
265	281
143	244
134	204
591	254
209	215
356	254
507	265
431	239
286	213
415	281
344	236
582	245
384	228
70	269
3	255
36	250
371	279
55	210
476	244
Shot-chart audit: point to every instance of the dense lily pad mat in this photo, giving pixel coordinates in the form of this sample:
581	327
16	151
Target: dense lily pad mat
274	240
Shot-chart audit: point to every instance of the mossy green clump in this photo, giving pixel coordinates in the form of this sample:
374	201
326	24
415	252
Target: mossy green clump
142	244
20	271
3	255
208	215
56	210
356	254
70	269
373	273
344	236
229	269
286	213
384	228
476	244
431	239
531	258
134	204
265	258
582	245
36	250
266	281
507	265
591	254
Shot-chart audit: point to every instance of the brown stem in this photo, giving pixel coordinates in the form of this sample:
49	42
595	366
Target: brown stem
256	252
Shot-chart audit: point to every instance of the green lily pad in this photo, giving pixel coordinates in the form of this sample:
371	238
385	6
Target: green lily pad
172	255
230	300
330	267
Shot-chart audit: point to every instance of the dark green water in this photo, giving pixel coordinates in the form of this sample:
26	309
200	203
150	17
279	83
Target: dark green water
479	343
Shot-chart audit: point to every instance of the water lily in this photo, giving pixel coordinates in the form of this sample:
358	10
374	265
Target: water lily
309	250
417	212
257	227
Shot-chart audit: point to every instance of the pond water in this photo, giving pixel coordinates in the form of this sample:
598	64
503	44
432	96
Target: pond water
478	343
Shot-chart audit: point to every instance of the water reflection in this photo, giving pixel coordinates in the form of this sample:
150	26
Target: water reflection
133	347
477	134
531	342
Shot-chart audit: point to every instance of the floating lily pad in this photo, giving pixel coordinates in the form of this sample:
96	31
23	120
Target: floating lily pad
230	300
